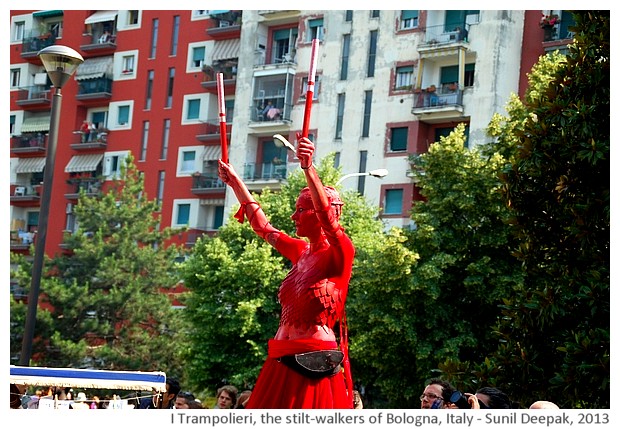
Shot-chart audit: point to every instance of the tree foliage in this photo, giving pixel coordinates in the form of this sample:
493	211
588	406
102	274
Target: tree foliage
555	329
103	303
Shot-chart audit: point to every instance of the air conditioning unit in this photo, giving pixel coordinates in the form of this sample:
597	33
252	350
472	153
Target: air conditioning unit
20	191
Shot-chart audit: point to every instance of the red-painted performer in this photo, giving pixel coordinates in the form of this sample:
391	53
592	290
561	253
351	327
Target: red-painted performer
306	367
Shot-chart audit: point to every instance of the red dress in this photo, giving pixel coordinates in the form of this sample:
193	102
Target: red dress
312	297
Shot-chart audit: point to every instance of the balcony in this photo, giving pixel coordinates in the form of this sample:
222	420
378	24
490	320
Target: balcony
433	105
90	185
211	131
36	96
29	143
97	139
227	24
264	175
228	69
31	45
94	89
27	194
98	41
206	184
437	39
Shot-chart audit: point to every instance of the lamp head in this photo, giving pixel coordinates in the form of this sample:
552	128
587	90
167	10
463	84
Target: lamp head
60	62
380	172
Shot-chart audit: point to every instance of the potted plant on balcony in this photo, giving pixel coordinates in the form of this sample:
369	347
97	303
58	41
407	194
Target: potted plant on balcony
547	23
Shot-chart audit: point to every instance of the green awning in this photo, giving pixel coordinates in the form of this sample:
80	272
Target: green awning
36	124
47	13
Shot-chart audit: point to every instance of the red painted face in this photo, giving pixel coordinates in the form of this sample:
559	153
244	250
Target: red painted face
306	222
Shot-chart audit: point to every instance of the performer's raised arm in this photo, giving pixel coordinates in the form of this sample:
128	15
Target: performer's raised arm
249	206
327	213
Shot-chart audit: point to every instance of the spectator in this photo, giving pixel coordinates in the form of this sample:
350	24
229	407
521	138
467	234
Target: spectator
162	400
226	397
85	130
435	392
491	397
243	398
538	405
182	399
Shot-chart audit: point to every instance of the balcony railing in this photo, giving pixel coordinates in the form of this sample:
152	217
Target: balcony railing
29	142
265	171
33	94
206	183
90	185
280	112
433	98
94	88
31	45
439	35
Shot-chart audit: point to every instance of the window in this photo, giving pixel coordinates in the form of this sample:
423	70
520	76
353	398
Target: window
183	211
123	115
316	29
398	140
404	77
193	109
145	140
161	180
174	44
15	77
154	32
393	204
372	53
188	161
304	87
348	15
170	87
99	119
344	64
112	163
133	17
198	56
458	18
408	19
284	42
149	89
450	74
367	107
445	132
165	140
375	13
18	34
128	62
361	180
218	216
229	105
12	126
340	116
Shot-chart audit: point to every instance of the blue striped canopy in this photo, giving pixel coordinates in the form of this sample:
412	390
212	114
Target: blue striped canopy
92	378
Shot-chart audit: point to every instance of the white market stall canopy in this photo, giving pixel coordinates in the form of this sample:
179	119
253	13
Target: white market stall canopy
91	378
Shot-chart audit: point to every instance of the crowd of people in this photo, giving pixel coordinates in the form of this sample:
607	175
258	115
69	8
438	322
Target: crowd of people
441	394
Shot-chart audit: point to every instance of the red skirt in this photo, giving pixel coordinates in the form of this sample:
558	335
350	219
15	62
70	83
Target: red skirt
280	387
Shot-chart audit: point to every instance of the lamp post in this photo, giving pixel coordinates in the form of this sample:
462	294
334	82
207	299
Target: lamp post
60	63
380	173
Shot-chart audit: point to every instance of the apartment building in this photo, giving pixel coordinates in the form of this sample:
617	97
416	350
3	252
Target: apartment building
388	84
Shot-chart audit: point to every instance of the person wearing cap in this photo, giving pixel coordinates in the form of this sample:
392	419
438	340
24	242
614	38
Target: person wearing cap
80	402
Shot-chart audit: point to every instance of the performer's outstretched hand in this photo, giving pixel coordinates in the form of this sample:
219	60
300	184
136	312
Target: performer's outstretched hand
228	174
305	150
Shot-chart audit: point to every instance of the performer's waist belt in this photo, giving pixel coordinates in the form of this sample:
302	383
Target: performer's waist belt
318	364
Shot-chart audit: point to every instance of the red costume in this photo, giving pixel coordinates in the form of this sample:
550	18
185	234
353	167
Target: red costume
312	297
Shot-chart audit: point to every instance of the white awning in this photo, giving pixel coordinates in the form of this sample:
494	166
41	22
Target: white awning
212	153
82	163
101	16
30	165
90	378
225	49
36	124
94	68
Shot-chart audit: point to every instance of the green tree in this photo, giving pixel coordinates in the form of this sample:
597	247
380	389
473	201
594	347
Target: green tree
104	303
555	329
233	279
433	302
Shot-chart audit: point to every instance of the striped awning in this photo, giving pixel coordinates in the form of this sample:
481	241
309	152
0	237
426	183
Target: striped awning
30	165
82	163
91	378
36	124
94	68
225	49
101	16
212	153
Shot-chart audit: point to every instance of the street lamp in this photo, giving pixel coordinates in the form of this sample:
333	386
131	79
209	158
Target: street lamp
60	62
380	173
